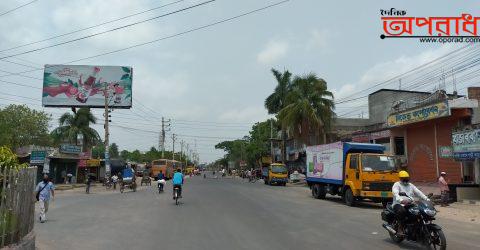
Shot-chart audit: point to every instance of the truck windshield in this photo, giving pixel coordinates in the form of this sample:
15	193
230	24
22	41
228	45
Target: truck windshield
279	169
377	163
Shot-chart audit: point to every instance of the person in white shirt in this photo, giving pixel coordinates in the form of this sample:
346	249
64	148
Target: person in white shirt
44	189
114	180
399	201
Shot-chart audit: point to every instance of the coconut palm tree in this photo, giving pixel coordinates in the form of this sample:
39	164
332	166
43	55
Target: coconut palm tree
71	125
309	107
277	100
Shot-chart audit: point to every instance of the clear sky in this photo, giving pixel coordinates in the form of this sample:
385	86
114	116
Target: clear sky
212	83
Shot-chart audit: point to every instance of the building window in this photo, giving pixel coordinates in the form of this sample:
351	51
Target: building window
399	146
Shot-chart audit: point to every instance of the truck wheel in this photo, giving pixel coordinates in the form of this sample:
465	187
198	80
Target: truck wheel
349	198
316	191
322	192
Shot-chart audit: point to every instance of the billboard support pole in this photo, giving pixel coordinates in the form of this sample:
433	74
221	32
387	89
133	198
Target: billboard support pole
107	154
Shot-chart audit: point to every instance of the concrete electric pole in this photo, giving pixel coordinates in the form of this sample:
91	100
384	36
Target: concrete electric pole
107	134
174	137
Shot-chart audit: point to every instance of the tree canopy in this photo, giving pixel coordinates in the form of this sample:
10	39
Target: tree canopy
21	126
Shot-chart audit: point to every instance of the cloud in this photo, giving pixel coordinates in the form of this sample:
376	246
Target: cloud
272	52
384	71
248	114
318	39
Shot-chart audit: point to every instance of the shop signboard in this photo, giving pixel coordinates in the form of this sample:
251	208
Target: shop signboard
424	113
85	86
38	157
366	137
93	163
466	144
445	151
70	149
82	163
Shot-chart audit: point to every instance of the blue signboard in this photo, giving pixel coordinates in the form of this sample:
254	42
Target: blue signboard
38	157
70	149
466	155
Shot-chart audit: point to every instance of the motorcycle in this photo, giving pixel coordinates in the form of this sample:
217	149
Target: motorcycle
417	224
161	184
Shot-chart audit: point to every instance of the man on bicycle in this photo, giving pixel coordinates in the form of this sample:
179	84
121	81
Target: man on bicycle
177	181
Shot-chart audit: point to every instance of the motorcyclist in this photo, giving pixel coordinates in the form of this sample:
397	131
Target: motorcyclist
177	181
399	201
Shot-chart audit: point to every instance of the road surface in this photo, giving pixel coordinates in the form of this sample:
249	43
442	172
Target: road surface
222	214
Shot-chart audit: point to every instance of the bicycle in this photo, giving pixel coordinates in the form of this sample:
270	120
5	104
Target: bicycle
175	194
108	184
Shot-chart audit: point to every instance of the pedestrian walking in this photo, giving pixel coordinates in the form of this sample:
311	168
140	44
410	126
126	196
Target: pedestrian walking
444	190
43	190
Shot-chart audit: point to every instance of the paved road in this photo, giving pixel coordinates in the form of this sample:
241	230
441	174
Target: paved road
222	214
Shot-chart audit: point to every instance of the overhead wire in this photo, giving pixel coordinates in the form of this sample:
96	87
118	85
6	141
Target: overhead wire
16	8
90	27
106	31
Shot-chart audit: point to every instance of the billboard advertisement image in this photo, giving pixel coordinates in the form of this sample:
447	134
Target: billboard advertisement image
84	86
325	161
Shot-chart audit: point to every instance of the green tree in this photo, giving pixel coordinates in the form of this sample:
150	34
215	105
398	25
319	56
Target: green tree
21	126
309	108
98	151
278	100
125	155
71	125
113	151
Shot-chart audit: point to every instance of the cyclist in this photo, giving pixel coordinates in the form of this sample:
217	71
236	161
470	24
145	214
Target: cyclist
177	181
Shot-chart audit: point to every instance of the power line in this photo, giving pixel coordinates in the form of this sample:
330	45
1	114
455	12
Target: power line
16	8
91	27
107	31
409	71
166	37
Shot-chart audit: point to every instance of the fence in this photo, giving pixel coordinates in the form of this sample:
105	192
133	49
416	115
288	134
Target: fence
17	204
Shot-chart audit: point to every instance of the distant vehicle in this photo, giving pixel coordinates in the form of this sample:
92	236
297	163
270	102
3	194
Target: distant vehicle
355	171
166	166
275	173
297	177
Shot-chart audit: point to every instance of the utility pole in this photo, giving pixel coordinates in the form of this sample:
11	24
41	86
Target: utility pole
271	141
196	153
186	155
174	137
181	149
107	134
165	124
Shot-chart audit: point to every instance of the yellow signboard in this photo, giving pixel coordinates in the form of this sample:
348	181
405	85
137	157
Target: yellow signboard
424	113
93	163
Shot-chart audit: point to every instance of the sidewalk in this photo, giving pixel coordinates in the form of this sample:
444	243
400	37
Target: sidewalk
460	212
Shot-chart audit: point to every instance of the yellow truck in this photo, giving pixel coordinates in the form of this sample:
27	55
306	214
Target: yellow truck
355	171
275	173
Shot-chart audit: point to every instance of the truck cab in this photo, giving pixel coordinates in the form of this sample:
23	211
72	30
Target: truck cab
369	176
275	173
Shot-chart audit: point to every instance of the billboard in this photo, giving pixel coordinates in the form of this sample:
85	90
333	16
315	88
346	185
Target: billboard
325	161
84	86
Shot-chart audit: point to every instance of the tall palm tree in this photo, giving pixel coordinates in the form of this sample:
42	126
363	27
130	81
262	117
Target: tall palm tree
309	107
71	125
278	99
